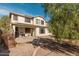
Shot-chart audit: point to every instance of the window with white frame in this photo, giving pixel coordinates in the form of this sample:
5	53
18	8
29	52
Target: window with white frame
42	22
37	21
27	20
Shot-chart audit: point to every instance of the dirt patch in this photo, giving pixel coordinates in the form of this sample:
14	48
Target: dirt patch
22	50
57	49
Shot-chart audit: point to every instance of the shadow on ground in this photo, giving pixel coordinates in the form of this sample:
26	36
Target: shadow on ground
70	50
65	48
4	51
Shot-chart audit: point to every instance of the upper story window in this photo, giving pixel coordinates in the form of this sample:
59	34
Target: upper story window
37	21
42	22
15	17
27	20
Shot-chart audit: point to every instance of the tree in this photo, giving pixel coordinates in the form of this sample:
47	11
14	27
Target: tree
5	23
64	20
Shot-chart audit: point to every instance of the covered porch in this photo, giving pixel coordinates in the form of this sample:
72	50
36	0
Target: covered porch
20	30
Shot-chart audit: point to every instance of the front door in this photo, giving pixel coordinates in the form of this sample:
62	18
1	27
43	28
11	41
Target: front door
16	32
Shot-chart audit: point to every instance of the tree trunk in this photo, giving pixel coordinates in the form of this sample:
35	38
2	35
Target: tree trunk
9	40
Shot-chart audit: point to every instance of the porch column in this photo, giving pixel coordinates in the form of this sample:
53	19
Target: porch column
33	32
14	30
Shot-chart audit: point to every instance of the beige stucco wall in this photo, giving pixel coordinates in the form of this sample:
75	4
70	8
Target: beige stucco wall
20	20
33	22
38	32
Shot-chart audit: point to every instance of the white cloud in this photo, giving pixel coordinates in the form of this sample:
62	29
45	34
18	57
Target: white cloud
4	11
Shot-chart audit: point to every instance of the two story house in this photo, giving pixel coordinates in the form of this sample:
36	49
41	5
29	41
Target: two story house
24	25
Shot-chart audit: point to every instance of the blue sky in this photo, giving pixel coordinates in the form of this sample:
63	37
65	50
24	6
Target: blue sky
24	8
